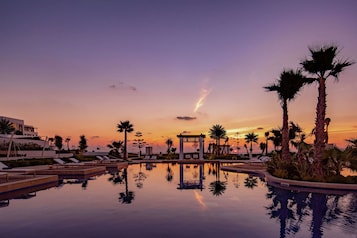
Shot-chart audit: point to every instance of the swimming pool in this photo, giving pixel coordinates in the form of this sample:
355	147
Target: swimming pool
178	200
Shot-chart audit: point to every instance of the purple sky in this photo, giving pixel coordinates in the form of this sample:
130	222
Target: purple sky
79	67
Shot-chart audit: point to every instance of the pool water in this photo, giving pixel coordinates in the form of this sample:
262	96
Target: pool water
178	200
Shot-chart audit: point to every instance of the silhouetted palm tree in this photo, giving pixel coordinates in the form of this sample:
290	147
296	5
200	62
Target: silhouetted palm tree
251	138
276	138
169	144
217	132
67	142
321	65
126	127
287	87
115	147
6	127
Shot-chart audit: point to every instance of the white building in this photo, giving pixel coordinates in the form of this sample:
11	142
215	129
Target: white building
20	126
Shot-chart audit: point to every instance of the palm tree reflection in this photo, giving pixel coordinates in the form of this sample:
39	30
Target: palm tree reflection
292	208
217	187
250	182
169	174
128	196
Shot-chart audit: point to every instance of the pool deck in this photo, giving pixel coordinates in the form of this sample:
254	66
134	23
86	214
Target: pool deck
15	182
24	178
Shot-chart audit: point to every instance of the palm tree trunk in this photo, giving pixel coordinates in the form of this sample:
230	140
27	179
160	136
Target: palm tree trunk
266	148
125	155
285	133
319	144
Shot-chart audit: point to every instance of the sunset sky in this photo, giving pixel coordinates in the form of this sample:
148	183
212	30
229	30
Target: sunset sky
76	67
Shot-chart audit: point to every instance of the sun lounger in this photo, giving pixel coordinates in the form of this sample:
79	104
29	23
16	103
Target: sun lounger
74	160
59	161
106	157
3	166
100	158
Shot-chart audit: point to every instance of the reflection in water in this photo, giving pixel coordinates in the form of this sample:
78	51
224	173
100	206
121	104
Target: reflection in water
250	182
217	187
194	183
161	210
128	196
292	208
139	178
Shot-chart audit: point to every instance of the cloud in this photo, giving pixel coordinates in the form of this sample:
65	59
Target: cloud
186	118
123	86
94	137
186	132
260	128
203	94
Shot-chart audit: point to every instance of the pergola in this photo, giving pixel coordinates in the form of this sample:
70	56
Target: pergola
191	139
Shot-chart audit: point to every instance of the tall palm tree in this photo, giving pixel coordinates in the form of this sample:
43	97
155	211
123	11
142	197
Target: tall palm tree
126	127
6	127
251	138
287	87
321	66
217	132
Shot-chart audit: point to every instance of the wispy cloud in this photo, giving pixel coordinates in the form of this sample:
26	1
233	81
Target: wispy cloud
123	86
203	94
185	118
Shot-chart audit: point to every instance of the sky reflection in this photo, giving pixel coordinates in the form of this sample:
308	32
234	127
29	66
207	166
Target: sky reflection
159	209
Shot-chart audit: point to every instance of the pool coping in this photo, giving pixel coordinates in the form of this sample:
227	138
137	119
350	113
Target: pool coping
272	180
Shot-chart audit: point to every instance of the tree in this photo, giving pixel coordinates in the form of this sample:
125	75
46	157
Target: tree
262	146
6	127
169	144
58	142
266	134
322	65
217	132
82	143
67	142
251	138
276	138
115	147
287	87
126	127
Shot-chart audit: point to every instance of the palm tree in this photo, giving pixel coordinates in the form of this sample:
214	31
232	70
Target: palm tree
266	134
169	144
58	142
251	138
217	132
276	138
67	142
321	66
126	127
82	143
115	147
6	126
287	87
